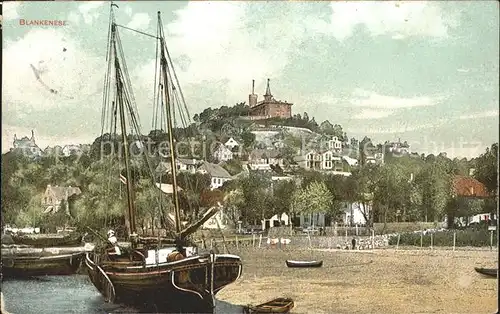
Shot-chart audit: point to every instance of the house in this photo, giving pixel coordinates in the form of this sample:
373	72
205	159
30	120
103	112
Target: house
352	213
223	153
465	187
231	143
276	221
269	107
217	174
352	162
335	144
55	196
263	159
189	165
219	220
322	160
70	150
27	146
397	148
307	220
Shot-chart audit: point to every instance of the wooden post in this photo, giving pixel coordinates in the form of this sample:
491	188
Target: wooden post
237	243
373	239
309	237
260	240
253	239
211	243
431	241
397	244
279	243
421	238
454	240
346	233
357	231
491	240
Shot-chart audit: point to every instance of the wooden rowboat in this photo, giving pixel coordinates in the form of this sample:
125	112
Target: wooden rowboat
489	272
48	240
278	305
303	264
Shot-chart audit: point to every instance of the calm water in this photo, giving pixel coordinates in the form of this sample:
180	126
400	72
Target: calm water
67	294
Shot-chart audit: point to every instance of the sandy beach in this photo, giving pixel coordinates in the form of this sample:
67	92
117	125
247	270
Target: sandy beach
382	281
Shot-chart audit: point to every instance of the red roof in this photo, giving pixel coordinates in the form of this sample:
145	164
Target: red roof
468	187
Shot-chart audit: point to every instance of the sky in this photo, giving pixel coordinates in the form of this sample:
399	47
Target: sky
425	72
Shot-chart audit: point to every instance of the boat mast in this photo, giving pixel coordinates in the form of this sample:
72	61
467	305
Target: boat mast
169	118
120	101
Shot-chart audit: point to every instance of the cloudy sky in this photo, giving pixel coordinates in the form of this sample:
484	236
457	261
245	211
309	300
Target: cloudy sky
423	72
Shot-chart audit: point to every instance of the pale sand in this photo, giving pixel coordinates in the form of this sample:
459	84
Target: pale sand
361	282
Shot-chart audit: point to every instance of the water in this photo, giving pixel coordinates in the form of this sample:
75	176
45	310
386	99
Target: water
68	294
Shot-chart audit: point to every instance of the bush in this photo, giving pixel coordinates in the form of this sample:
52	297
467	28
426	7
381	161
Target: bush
475	238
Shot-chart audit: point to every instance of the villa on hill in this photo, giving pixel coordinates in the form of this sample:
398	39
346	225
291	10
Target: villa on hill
269	107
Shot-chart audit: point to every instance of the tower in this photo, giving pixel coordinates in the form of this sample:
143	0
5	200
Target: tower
32	136
268	96
252	98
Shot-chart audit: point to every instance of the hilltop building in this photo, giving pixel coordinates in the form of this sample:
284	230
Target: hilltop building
27	145
269	107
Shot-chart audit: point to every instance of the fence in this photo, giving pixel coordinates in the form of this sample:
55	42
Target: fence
285	238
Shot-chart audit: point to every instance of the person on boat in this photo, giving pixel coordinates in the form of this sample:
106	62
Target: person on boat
114	241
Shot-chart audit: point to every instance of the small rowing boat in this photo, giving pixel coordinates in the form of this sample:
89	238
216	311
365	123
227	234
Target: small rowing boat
278	305
303	264
489	272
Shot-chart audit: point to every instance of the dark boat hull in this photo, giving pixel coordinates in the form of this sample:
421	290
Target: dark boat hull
278	305
489	272
303	264
29	266
48	240
184	285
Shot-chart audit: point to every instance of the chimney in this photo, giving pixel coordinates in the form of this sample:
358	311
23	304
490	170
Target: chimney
252	98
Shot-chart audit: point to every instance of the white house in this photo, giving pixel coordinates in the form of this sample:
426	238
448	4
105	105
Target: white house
335	144
312	220
262	159
275	221
217	174
69	150
353	214
329	161
189	165
222	153
231	143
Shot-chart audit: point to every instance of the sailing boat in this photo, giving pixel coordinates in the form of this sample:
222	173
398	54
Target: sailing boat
157	268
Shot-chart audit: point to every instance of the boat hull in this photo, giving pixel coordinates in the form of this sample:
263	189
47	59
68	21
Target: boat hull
278	305
488	272
303	264
48	240
29	266
184	285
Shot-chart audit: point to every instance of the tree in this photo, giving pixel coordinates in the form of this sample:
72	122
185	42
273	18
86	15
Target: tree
487	168
316	198
234	202
281	196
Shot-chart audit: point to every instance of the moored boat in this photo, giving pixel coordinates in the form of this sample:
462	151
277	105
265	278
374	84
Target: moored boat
278	305
28	262
41	240
488	272
303	264
163	269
